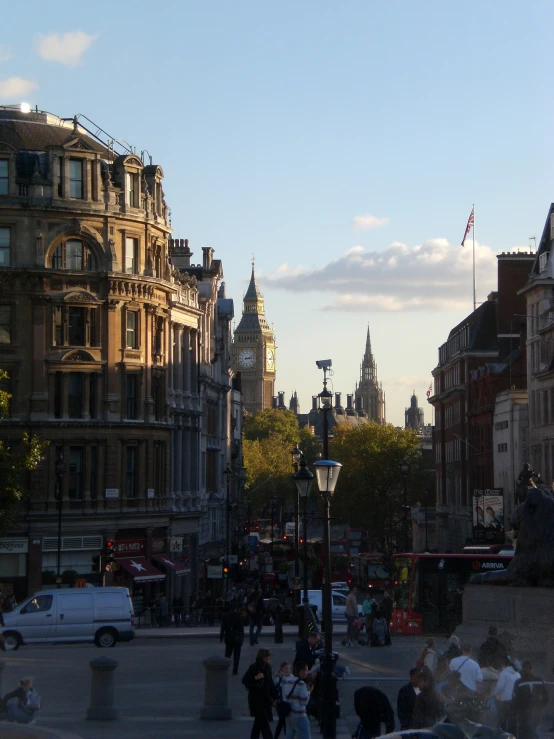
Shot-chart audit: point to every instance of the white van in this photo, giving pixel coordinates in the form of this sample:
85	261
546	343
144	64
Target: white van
338	604
102	615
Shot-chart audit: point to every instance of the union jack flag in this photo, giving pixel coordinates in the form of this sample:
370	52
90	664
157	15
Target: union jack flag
430	390
469	226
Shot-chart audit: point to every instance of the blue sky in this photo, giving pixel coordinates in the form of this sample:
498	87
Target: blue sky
341	143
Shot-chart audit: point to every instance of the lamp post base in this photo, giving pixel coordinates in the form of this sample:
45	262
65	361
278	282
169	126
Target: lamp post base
329	695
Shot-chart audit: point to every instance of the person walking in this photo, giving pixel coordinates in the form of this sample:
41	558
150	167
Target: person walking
178	605
258	681
284	671
529	698
373	709
429	705
305	650
428	656
470	672
453	650
405	701
22	703
503	692
163	610
255	608
369	606
232	633
491	649
296	693
351	613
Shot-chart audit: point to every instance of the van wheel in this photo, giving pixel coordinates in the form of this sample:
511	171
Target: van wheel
12	641
105	638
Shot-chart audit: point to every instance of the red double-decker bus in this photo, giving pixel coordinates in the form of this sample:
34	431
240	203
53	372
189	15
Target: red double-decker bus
424	589
370	571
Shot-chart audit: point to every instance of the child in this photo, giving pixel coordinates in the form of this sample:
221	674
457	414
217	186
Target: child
284	672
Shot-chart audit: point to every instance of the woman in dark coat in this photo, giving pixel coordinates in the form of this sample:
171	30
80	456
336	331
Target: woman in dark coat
258	680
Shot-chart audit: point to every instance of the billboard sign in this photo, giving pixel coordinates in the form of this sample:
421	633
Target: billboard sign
488	515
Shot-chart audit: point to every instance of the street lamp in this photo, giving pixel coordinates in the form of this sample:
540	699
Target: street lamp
248	502
405	471
272	499
296	454
327	473
228	472
426	492
304	479
59	471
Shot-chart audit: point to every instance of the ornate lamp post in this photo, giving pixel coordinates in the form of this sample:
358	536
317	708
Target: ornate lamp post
426	493
59	470
327	473
304	480
405	471
248	503
296	455
272	501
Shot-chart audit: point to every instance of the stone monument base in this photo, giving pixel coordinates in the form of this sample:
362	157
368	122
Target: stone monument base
526	613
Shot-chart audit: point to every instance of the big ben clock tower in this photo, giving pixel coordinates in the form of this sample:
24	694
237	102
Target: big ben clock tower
254	351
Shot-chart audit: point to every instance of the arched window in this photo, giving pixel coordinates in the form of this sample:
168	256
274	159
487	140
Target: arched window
73	254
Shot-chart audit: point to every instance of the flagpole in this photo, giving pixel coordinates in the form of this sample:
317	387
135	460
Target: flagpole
473	229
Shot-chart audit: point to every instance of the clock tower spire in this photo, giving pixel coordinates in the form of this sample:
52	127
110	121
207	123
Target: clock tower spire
254	350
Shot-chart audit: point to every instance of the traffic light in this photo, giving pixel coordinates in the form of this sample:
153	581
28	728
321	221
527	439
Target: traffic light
225	571
109	551
96	563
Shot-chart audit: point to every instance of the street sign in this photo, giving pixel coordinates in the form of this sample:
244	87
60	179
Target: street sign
233	559
268	559
214	572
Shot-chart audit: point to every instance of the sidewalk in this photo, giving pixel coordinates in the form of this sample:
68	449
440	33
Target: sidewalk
191	632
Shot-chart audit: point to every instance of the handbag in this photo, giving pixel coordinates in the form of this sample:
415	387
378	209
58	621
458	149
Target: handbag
284	707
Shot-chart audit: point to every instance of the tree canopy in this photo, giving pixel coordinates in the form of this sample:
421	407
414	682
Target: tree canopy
13	464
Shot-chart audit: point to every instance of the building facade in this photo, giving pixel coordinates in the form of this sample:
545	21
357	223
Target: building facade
369	395
104	341
413	416
510	444
254	351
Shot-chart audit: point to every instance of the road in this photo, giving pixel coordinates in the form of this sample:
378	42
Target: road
160	683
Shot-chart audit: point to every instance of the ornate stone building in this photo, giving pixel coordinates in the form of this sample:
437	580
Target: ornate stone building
369	392
111	353
254	351
413	416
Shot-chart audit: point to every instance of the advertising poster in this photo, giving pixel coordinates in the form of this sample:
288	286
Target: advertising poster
488	515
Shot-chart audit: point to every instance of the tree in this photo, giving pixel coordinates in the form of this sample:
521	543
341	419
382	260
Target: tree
13	464
370	489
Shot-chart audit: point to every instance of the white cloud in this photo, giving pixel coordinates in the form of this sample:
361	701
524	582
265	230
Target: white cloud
66	48
16	88
368	221
432	276
5	53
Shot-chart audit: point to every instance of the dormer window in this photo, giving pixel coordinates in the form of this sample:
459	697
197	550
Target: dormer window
4	177
74	255
133	190
76	178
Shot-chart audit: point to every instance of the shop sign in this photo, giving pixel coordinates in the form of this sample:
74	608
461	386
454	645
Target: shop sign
233	559
176	544
137	547
112	492
488	515
150	493
214	572
158	544
14	546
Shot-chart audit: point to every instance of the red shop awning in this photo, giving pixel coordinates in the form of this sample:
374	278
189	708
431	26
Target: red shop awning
179	568
141	569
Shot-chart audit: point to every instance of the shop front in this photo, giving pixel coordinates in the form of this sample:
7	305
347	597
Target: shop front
13	567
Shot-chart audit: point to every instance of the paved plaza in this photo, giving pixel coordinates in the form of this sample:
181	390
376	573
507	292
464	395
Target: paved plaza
160	682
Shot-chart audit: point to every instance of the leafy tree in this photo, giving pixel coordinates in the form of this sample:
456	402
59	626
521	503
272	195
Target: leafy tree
370	489
13	465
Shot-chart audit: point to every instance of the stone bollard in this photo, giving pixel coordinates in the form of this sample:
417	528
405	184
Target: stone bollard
101	706
216	690
2	666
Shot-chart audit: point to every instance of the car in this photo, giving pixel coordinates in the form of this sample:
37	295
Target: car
338	605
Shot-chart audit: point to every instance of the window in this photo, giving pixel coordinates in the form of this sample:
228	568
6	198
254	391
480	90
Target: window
58	395
158	394
159	467
75	395
76	326
132	323
5	239
38	603
75	477
92	396
93	471
131	392
133	191
131	256
4	181
74	255
5	324
131	472
72	326
76	178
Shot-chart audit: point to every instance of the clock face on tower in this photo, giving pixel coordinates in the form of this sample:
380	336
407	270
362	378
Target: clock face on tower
270	358
247	357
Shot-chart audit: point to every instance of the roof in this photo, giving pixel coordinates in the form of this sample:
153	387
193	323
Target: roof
253	292
39	131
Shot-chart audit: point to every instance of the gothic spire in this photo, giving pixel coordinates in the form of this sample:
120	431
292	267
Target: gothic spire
253	292
368	343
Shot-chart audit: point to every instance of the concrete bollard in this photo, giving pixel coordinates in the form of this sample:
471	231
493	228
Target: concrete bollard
216	690
101	706
2	666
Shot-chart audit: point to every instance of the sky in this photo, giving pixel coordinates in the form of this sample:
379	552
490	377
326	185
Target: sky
341	144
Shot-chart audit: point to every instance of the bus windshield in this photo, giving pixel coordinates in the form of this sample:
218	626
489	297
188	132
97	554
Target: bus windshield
401	577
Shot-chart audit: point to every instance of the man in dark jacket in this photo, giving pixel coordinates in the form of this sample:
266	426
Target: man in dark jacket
373	708
255	607
491	650
232	632
528	700
406	700
429	705
304	650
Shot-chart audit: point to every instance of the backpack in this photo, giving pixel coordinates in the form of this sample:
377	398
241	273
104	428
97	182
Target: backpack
33	701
